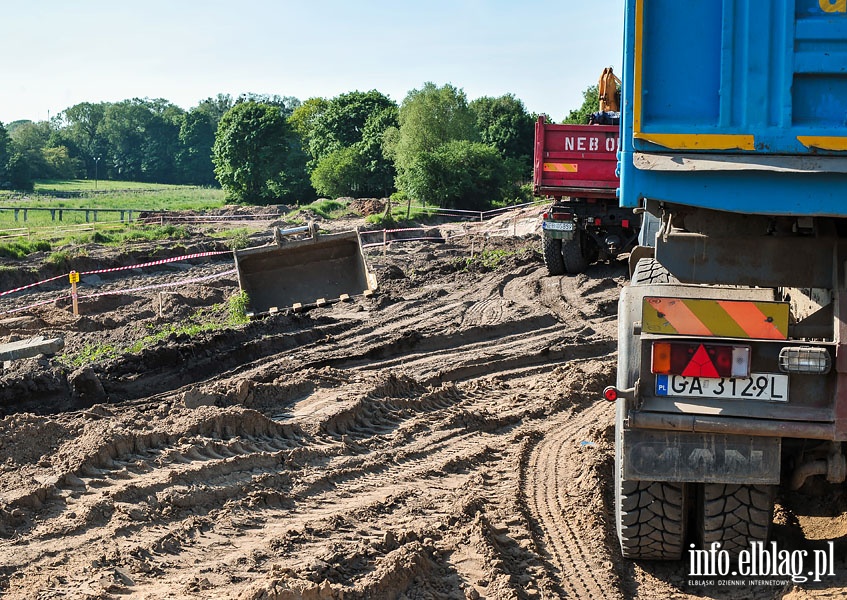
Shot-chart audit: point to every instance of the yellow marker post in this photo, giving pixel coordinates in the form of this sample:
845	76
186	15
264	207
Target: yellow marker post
74	277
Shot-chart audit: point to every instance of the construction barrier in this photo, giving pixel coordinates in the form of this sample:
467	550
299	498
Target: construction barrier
155	286
157	262
73	277
32	285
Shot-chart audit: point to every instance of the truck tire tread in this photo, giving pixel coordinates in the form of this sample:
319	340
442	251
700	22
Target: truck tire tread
649	271
736	515
553	259
652	519
574	257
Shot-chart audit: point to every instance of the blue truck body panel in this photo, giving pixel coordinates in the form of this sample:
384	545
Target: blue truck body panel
736	105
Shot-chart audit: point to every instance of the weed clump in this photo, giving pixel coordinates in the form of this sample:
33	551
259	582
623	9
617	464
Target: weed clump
237	308
214	318
22	249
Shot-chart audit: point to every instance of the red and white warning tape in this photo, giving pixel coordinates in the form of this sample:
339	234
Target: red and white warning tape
30	285
385	231
161	285
124	290
403	240
157	262
147	264
405	229
42	303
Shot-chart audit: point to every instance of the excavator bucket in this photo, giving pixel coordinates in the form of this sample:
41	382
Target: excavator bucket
319	269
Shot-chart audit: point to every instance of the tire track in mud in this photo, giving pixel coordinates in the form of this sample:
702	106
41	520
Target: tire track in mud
436	345
552	460
394	442
547	472
224	455
121	490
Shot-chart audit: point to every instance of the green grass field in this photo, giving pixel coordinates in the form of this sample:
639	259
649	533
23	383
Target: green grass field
119	195
90	185
81	193
22	233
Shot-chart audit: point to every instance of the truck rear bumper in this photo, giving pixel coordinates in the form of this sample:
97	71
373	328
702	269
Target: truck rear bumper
732	425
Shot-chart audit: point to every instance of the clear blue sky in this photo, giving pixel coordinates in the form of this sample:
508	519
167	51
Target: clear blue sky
58	53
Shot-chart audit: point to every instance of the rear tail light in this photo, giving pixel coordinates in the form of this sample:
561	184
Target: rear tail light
625	223
700	360
562	216
803	359
598	221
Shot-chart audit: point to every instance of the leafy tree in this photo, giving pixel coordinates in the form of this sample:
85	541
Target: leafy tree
251	152
343	137
18	173
360	169
143	139
123	127
60	165
196	138
287	104
302	120
505	124
5	154
428	118
338	172
380	169
216	107
342	122
294	185
458	174
162	143
82	134
29	139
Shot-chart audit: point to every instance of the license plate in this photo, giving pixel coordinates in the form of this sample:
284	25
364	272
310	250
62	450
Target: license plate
558	226
772	387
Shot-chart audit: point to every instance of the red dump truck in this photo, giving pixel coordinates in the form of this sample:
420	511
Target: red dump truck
575	166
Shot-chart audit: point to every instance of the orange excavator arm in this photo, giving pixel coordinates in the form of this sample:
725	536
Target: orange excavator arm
608	91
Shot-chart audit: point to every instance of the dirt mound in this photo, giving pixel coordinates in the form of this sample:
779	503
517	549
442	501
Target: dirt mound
366	206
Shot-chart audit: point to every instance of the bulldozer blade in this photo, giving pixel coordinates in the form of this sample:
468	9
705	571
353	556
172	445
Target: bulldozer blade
324	267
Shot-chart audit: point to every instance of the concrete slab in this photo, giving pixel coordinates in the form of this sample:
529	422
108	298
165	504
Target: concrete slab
30	347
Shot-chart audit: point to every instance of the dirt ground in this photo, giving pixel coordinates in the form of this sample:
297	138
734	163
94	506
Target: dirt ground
445	438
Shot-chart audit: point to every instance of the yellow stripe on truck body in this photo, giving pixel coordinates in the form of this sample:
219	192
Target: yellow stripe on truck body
715	318
561	167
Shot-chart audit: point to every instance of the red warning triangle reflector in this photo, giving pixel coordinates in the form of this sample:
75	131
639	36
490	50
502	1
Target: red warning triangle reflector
700	365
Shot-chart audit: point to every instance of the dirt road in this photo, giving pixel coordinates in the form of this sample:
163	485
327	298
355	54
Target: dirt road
444	439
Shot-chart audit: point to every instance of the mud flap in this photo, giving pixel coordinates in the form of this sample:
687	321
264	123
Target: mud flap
303	272
696	457
553	234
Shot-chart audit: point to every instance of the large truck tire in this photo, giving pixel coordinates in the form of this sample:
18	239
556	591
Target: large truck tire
574	255
651	516
734	515
553	259
649	271
651	519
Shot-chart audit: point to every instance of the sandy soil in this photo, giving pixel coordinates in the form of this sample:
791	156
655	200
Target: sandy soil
443	439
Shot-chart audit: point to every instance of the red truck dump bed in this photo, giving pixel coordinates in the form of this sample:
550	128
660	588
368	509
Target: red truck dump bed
575	160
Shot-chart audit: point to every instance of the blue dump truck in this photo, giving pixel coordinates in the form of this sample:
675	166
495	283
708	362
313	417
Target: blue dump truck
732	349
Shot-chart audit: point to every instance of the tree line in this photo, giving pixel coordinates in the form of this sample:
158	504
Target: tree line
435	146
